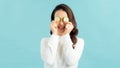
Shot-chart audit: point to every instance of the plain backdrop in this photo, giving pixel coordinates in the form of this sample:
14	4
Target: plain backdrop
23	23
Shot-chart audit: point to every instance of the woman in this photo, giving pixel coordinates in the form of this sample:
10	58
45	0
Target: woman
63	48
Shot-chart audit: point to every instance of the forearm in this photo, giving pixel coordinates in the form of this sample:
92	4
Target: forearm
49	49
71	56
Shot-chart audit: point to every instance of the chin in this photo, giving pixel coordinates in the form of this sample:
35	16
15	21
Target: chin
61	31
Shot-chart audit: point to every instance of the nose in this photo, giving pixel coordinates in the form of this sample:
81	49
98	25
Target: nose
61	23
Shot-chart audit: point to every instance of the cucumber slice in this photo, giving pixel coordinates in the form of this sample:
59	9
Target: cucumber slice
57	19
66	19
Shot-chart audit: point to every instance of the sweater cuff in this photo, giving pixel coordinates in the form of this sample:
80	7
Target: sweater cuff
54	37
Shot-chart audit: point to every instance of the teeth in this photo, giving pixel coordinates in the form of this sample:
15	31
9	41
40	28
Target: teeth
60	27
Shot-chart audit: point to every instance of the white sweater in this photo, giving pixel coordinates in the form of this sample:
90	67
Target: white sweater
57	52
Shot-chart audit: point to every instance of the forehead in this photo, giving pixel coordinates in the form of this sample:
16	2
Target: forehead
60	13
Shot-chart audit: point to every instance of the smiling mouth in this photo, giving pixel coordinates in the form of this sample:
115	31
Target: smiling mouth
61	27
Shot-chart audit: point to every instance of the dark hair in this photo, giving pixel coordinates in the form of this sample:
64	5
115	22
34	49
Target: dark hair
71	17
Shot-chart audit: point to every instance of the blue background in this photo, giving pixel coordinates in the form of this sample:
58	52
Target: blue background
23	23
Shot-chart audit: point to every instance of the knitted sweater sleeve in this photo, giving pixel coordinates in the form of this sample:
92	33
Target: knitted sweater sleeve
48	49
72	56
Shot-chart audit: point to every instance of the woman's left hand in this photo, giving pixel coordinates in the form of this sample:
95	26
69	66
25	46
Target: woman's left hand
68	28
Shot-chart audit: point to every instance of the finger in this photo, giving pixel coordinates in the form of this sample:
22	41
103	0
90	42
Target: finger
67	26
67	22
70	23
53	23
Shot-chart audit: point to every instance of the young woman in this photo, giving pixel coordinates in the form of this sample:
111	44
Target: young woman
63	48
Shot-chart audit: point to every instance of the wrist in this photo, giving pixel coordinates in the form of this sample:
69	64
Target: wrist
54	32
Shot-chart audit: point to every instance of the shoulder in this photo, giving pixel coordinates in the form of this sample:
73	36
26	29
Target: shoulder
43	43
80	41
44	40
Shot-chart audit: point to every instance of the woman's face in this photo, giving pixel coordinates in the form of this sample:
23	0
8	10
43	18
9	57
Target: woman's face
61	17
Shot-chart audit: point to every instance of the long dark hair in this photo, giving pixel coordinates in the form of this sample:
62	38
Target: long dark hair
71	17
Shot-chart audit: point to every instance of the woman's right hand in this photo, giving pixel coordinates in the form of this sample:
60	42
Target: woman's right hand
54	28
